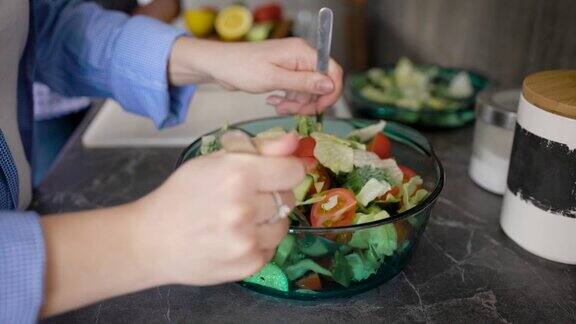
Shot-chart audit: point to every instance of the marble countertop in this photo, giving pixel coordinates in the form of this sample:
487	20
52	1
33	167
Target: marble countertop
465	269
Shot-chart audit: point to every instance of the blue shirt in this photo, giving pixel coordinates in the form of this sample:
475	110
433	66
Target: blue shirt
78	49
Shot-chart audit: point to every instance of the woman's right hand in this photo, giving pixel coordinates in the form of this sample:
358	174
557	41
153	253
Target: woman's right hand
207	224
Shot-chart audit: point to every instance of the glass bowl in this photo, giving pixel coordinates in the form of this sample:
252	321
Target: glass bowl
358	257
426	117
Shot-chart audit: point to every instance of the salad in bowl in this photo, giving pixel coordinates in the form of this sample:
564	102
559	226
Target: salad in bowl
361	207
423	95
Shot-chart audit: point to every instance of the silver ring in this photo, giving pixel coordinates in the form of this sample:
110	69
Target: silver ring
282	210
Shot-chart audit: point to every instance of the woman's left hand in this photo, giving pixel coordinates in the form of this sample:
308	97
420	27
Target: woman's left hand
284	64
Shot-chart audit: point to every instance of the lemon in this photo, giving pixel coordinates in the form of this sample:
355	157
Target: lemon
233	22
200	22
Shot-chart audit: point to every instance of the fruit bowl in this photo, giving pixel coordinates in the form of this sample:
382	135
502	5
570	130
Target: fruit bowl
317	262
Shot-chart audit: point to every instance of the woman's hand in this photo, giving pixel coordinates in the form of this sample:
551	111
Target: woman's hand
283	64
207	224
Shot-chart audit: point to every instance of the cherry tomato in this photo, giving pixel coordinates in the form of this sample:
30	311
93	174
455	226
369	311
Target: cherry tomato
408	173
268	12
311	281
380	145
341	214
305	147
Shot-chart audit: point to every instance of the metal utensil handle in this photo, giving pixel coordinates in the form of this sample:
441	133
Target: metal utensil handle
324	39
323	44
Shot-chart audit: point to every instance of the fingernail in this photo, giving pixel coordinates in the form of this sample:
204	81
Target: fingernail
273	101
325	86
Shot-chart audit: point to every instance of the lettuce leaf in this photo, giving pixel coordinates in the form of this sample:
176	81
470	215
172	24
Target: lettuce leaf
382	239
306	125
297	270
371	190
460	86
209	144
408	190
272	133
312	200
413	83
363	264
341	270
389	166
333	153
367	133
416	198
367	218
358	178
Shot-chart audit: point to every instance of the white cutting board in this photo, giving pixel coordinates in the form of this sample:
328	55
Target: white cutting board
211	107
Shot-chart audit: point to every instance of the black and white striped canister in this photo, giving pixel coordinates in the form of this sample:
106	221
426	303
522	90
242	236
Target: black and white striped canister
539	210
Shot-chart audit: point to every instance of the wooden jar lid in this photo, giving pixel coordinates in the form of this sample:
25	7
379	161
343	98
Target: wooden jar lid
553	91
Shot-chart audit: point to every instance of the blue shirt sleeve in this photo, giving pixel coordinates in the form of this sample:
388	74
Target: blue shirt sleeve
21	267
84	50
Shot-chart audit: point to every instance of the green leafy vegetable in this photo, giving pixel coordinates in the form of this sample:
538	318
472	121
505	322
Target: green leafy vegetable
367	133
312	200
461	86
381	239
377	95
371	190
414	87
306	126
341	270
358	178
363	264
297	270
408	189
416	198
210	143
377	214
393	173
272	133
333	153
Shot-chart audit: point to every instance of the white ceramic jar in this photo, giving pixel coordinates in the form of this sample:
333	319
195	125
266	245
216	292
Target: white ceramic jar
493	135
539	210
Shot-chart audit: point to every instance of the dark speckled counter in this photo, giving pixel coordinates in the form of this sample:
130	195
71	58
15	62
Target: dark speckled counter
465	269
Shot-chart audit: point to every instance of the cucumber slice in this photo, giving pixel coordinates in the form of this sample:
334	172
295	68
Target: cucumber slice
270	276
302	189
284	249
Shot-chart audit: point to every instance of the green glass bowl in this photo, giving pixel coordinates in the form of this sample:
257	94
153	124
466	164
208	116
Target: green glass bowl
425	117
399	234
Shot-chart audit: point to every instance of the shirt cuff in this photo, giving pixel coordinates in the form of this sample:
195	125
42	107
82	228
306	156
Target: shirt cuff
140	72
21	267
